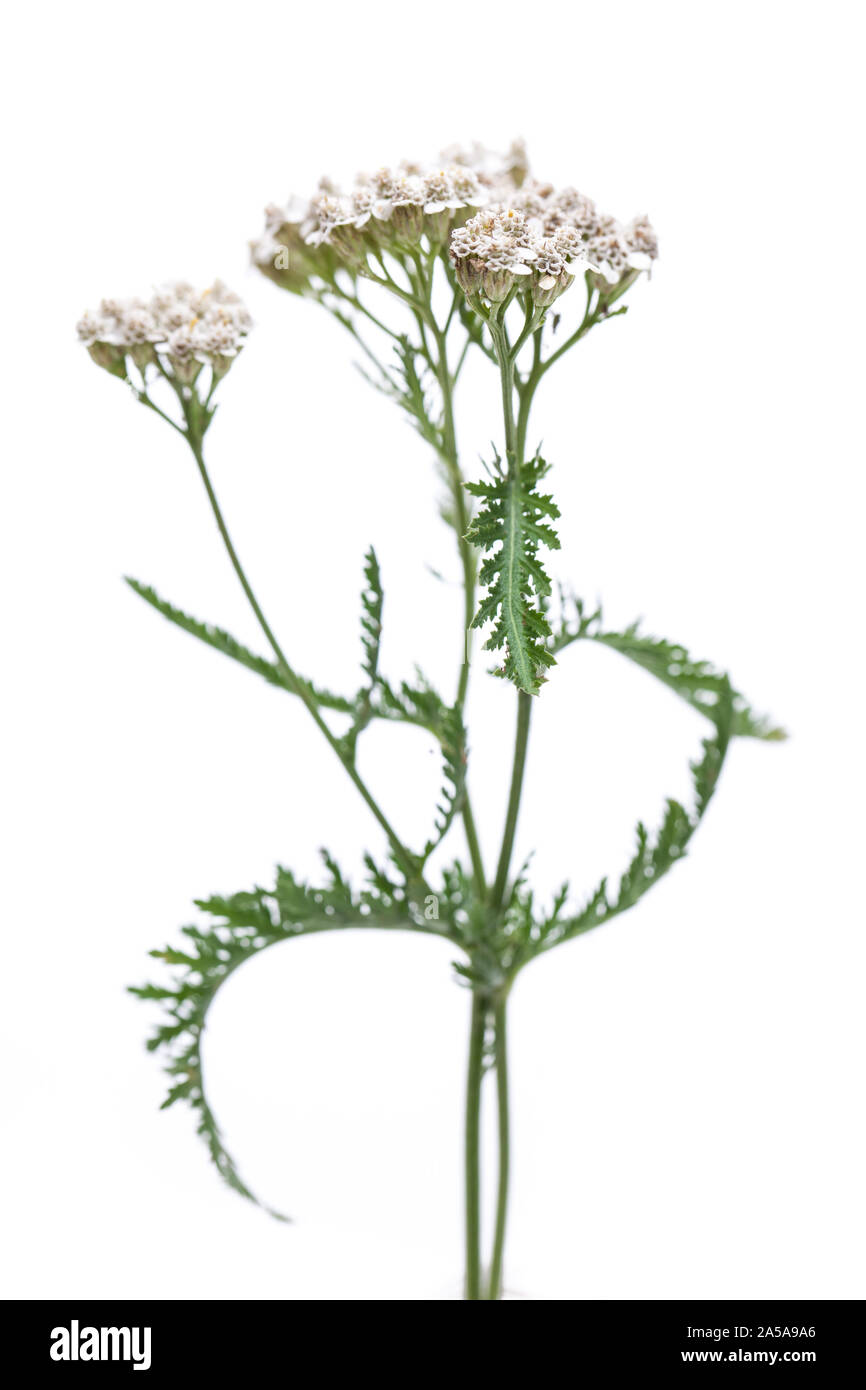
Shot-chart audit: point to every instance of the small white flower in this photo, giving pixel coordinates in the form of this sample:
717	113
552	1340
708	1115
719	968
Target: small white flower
407	191
92	328
642	239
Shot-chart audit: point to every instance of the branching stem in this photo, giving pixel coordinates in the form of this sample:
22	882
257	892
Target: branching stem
402	855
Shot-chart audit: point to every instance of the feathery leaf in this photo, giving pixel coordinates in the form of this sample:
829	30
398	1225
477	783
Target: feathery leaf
655	854
242	925
223	642
511	526
696	682
372	602
452	740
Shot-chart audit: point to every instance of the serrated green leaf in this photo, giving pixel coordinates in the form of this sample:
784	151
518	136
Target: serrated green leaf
223	641
372	604
510	527
240	926
452	740
410	389
699	683
654	854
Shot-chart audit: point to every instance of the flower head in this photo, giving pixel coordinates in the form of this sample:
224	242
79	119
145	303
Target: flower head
392	209
492	251
642	239
502	227
501	249
179	328
559	231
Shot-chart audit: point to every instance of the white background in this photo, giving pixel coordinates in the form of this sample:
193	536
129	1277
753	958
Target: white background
687	1081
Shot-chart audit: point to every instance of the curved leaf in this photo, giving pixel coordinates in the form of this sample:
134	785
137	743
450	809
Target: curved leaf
242	925
696	682
223	641
525	932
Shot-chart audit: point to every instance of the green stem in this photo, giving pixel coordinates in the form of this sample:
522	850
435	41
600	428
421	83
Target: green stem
590	318
458	495
356	303
423	311
403	856
389	283
450	458
506	380
365	348
514	446
494	1285
532	318
474	848
521	744
473	1289
526	391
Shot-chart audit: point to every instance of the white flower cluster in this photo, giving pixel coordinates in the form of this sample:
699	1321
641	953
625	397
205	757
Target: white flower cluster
391	210
500	226
180	327
540	238
501	247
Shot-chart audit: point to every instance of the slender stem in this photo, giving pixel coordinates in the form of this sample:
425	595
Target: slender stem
515	447
521	743
458	494
494	1285
460	360
389	283
450	458
404	858
455	301
533	316
473	1289
142	396
365	348
514	444
590	317
506	380
474	848
422	309
526	392
356	303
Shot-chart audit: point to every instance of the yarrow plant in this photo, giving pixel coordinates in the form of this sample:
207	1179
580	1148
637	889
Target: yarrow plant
423	267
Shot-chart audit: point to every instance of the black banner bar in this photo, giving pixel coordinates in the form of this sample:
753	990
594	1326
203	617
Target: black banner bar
160	1338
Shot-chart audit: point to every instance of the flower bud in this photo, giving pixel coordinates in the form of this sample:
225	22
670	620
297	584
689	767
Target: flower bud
108	356
180	350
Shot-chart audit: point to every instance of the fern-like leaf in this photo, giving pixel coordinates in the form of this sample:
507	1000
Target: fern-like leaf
223	641
452	740
523	931
407	703
699	683
372	603
421	705
403	383
510	527
654	854
241	926
372	606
